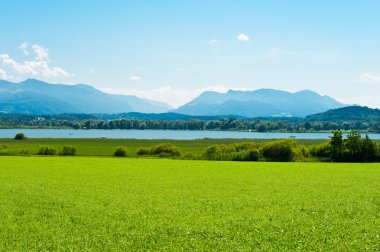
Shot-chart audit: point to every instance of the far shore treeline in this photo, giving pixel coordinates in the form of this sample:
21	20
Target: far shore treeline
78	121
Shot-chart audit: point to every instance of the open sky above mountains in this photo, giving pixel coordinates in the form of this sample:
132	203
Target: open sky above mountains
172	51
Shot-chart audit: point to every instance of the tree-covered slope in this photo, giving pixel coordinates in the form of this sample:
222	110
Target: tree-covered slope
351	113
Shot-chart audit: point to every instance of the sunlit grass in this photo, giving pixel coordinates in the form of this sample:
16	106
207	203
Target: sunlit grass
89	203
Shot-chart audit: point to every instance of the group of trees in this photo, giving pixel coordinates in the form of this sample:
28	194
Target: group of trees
353	148
189	124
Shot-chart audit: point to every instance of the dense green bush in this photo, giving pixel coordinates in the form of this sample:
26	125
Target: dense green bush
165	150
143	152
121	152
20	136
68	151
246	146
280	151
232	152
162	150
46	150
219	152
302	151
321	151
24	152
189	156
246	155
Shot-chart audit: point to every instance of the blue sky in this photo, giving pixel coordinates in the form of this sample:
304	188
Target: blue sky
173	50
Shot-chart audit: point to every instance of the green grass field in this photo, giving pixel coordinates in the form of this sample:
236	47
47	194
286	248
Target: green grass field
106	147
104	204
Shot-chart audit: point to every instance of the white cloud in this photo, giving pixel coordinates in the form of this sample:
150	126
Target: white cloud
369	78
243	38
135	78
21	68
42	53
40	66
4	75
24	48
175	97
213	42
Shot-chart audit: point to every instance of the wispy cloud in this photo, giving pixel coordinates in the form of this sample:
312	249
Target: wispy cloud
4	75
39	66
167	94
135	78
369	78
24	48
243	38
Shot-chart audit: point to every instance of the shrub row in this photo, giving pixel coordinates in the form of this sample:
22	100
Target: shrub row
232	152
161	150
49	151
277	151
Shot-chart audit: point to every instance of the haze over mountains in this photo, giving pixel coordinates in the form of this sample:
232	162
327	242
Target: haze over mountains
37	97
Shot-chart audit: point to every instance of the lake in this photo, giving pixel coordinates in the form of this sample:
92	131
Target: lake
159	134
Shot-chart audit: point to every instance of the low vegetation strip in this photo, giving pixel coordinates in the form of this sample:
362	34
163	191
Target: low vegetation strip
354	148
103	204
107	147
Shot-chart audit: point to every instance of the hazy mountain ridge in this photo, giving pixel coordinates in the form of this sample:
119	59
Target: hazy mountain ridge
259	103
37	97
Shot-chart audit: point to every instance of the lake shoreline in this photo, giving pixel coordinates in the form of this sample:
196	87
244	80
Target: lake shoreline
165	134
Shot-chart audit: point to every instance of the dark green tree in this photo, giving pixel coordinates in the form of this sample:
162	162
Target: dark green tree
336	146
352	151
369	150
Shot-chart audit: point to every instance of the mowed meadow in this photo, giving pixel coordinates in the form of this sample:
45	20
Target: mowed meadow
104	203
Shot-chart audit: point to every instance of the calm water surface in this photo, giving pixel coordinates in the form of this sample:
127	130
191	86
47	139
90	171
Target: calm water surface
159	134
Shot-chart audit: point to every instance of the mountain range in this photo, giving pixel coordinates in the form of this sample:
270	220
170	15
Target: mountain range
36	97
260	103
